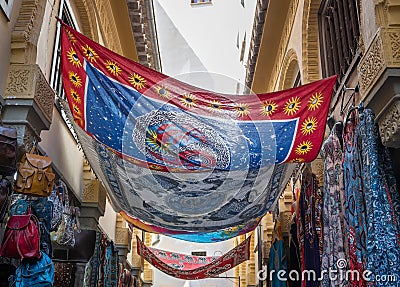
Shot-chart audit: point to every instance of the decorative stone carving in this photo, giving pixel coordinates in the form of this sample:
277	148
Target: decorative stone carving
93	199
108	24
383	53
28	82
389	124
26	31
310	47
372	64
94	192
283	43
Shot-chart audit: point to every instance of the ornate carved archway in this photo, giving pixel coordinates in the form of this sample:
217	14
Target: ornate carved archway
87	18
310	45
290	68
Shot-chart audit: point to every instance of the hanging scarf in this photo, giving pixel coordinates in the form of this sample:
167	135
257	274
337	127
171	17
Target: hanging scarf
383	246
277	262
334	254
310	210
355	203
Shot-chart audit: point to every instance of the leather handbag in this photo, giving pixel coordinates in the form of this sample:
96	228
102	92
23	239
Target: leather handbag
8	150
21	238
5	194
35	175
35	273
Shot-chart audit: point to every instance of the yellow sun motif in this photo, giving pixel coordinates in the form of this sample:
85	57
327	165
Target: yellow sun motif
297	160
292	106
137	81
153	141
163	92
309	126
268	108
90	53
70	36
242	109
76	110
214	106
304	147
113	68
188	100
73	58
75	96
155	167
75	79
315	101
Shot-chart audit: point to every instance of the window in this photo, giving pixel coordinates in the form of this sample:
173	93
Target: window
6	6
199	253
339	35
201	2
56	77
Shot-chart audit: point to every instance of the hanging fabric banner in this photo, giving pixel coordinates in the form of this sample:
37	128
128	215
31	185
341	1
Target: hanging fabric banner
194	267
182	158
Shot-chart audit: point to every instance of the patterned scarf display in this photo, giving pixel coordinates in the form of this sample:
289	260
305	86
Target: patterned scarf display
382	201
355	204
310	212
334	252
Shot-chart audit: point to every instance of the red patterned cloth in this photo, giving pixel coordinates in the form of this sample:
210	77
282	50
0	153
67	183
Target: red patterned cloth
210	267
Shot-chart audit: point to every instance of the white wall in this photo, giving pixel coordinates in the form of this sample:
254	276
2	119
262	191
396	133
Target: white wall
204	37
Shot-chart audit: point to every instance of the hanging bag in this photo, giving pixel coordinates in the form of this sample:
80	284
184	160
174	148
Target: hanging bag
57	210
35	175
65	235
8	150
22	238
34	273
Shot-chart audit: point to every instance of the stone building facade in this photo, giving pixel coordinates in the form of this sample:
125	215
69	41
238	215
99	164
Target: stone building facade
30	82
300	41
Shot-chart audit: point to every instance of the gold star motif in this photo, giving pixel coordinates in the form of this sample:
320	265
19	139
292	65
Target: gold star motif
188	100
292	106
315	102
309	126
90	54
242	109
304	147
113	68
137	81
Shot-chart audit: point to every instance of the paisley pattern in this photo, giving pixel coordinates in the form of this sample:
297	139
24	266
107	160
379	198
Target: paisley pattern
334	238
382	240
355	203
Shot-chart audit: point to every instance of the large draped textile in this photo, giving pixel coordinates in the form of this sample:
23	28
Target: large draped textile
334	254
382	204
181	158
